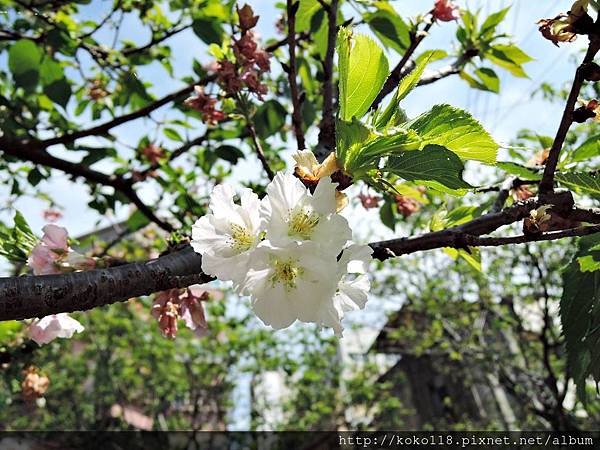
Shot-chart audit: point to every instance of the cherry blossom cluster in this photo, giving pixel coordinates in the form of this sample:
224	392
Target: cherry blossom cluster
52	255
291	252
250	62
206	106
184	304
240	68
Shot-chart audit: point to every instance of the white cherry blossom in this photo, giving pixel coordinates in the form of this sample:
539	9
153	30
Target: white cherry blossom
293	214
227	237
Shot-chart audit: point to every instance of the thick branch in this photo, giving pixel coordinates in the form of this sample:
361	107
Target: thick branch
38	296
327	126
547	183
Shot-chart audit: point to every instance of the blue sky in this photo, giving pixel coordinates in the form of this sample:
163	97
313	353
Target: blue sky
503	115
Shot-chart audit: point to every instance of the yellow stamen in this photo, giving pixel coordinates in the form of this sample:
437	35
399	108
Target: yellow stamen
241	238
286	272
302	223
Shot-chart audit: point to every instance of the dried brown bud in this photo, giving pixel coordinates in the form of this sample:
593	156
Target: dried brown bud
407	206
591	72
34	384
247	18
587	111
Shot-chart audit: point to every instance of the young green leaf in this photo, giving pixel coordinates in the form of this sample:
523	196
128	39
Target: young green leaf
434	166
363	68
389	117
456	130
587	150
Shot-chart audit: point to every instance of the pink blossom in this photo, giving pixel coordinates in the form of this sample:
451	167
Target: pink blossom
369	201
245	47
52	254
55	237
262	60
153	153
205	105
250	77
445	11
48	328
43	261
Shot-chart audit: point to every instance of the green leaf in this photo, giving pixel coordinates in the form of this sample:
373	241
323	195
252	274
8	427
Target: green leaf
229	153
137	220
59	92
386	214
363	68
359	149
489	79
172	134
587	150
306	10
509	57
580	316
580	180
493	20
24	59
456	130
389	28
434	166
269	118
525	173
208	29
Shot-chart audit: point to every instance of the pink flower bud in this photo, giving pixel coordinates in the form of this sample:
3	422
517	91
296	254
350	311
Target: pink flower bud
445	11
52	215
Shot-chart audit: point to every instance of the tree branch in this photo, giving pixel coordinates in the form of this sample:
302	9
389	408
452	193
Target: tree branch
102	129
326	142
547	183
292	8
397	72
31	153
38	296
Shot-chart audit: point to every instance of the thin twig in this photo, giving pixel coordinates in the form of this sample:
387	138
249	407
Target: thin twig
259	150
396	73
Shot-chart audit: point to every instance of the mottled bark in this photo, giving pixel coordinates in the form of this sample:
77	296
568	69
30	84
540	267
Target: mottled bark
37	296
